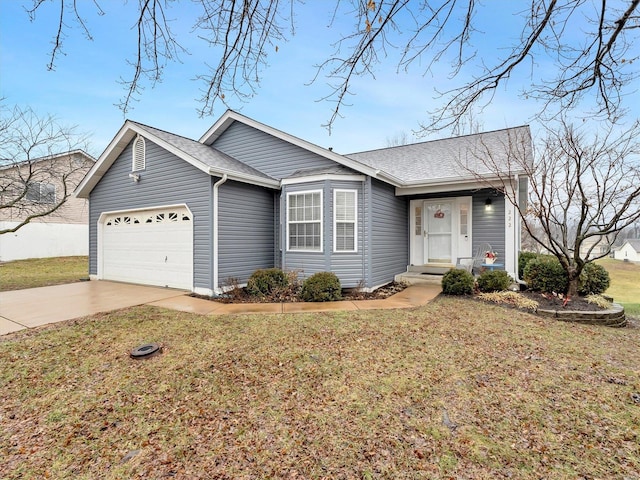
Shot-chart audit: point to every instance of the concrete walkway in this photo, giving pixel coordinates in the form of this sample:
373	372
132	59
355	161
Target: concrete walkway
33	307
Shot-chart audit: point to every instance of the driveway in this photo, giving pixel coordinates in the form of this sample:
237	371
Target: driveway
32	307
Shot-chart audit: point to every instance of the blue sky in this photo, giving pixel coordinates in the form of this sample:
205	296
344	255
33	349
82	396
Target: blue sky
84	88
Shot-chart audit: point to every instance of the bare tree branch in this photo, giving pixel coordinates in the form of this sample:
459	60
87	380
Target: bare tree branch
582	186
41	162
595	69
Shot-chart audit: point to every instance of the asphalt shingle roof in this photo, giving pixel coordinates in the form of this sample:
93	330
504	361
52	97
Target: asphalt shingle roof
446	158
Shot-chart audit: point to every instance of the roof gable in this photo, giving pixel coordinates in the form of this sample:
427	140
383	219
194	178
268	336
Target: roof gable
230	117
203	157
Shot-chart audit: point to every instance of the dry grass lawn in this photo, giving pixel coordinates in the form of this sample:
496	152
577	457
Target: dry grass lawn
42	272
625	284
455	389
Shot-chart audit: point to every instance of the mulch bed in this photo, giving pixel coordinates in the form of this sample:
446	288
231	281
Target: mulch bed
240	295
551	302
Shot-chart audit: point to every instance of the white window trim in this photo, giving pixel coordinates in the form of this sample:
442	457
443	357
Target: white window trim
355	221
289	194
144	154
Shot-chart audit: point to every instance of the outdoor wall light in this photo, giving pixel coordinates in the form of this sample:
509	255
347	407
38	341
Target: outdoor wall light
135	176
487	203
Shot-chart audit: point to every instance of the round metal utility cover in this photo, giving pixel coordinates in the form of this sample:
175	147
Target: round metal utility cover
145	351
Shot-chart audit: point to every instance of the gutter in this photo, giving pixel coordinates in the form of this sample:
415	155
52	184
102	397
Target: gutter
216	262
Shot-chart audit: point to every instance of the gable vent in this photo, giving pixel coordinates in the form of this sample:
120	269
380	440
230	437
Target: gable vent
138	154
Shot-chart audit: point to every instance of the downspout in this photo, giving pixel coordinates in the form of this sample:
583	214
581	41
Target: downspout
518	233
216	186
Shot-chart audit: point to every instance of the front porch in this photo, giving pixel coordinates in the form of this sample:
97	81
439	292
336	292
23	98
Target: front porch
424	274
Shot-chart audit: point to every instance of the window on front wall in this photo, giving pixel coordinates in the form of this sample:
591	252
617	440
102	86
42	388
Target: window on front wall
39	192
304	221
345	220
138	154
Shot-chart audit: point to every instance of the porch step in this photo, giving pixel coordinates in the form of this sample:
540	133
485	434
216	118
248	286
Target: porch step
432	268
413	278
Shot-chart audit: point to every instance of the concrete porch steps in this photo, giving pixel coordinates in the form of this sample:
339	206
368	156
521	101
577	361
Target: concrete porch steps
417	278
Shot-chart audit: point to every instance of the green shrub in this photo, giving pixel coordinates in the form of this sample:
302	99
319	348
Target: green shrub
266	281
493	281
594	280
457	282
523	259
545	274
321	287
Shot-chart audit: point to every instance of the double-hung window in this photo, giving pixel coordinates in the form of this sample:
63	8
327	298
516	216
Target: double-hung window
304	221
39	192
345	224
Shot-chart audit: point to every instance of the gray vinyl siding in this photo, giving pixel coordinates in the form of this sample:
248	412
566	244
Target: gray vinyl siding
166	180
350	267
246	226
389	234
266	153
306	263
488	225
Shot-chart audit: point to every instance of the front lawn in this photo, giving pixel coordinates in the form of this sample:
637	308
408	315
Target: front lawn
625	284
455	389
42	272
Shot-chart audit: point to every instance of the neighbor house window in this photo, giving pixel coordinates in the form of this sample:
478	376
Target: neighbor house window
304	221
138	154
345	220
41	192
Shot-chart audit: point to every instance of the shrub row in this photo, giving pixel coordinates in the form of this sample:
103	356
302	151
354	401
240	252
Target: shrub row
461	282
275	284
544	273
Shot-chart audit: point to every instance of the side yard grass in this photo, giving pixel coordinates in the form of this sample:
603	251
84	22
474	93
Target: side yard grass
42	272
454	389
625	284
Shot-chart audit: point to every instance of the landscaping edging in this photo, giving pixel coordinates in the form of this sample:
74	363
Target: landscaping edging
613	317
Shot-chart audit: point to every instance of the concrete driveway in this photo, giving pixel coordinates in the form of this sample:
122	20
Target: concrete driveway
32	307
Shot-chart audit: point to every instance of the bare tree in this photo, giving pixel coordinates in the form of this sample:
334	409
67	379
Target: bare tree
41	162
400	138
599	63
583	188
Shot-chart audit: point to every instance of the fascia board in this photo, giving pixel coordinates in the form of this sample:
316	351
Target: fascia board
448	186
322	177
251	179
106	159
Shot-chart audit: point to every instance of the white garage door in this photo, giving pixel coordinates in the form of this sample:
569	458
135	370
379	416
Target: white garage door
151	247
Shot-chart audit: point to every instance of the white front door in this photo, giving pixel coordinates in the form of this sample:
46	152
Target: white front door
438	231
441	230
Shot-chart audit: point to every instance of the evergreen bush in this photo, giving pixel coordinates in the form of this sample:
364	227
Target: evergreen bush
457	282
321	287
594	280
493	281
265	282
545	274
523	259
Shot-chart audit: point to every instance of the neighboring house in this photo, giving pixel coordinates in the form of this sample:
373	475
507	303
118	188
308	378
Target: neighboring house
170	211
595	247
629	251
63	232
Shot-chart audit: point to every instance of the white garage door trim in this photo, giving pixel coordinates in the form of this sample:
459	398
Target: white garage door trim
150	246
